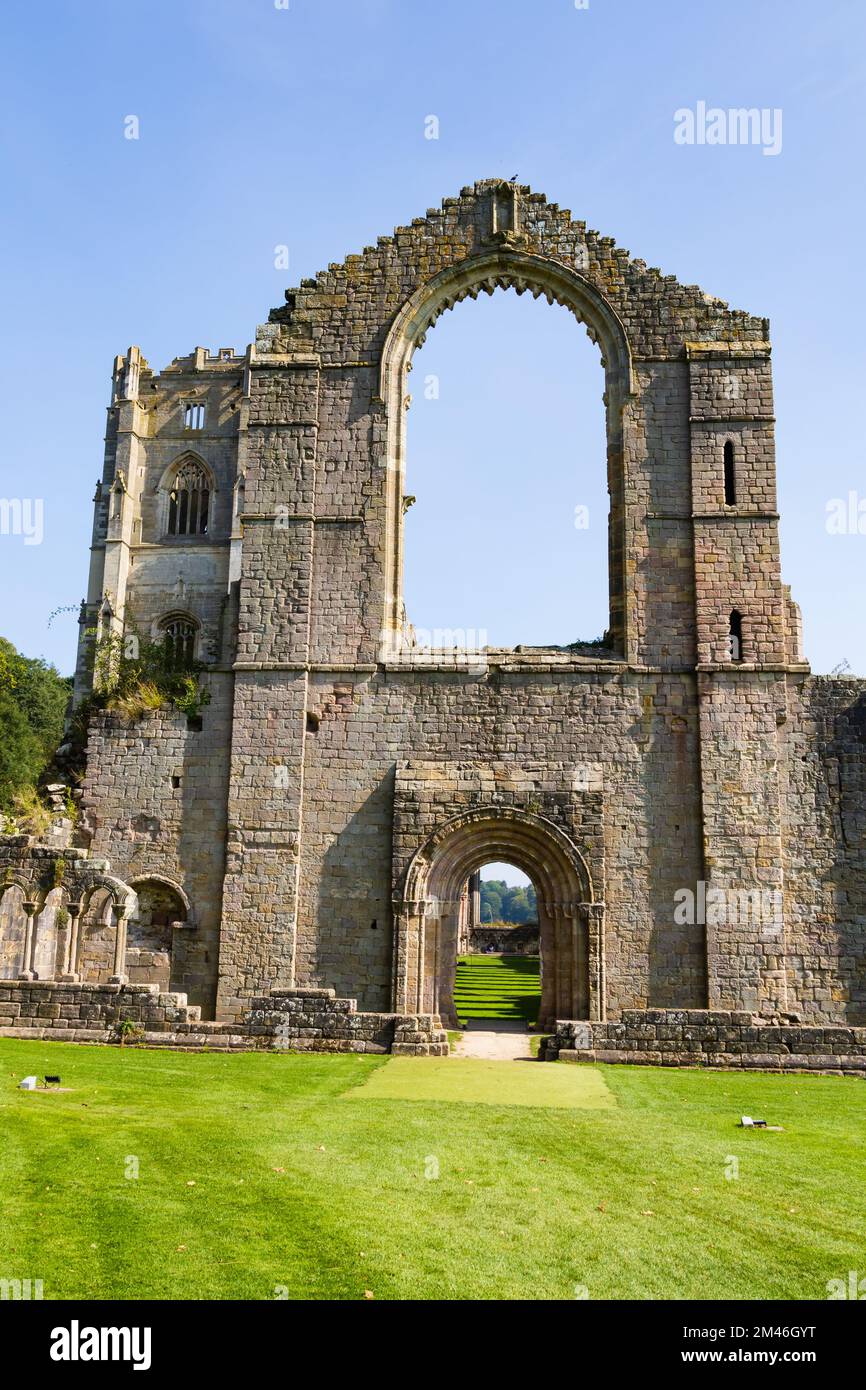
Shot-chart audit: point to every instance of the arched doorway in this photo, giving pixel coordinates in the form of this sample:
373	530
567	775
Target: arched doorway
427	925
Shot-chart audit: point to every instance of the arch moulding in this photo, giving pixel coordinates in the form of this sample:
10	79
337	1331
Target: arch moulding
571	921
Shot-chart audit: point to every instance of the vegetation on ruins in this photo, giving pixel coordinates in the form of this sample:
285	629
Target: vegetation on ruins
133	676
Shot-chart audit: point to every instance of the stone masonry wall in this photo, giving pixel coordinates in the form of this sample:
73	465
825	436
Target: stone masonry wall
154	799
326	761
310	1020
714	1038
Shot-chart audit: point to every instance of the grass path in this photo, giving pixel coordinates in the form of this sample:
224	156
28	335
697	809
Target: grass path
503	987
256	1174
474	1080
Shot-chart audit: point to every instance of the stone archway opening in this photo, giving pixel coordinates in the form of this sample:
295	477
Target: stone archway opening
506	523
498	977
501	269
570	923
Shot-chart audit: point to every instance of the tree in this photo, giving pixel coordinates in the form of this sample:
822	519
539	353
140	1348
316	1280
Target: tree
499	903
491	903
33	700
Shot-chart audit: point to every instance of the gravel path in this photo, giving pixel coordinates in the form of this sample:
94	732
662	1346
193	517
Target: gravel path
496	1042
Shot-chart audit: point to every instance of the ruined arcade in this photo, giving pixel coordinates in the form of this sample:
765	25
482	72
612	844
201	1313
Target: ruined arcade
307	840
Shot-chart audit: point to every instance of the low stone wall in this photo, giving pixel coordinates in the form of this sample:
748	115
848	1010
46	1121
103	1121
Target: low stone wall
301	1020
65	1008
709	1038
506	941
315	1020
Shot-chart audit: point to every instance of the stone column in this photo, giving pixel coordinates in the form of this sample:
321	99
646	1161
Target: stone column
594	912
579	965
446	960
69	974
119	977
408	914
26	972
474	901
548	947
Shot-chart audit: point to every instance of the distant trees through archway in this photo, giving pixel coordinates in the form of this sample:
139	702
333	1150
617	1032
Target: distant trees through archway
507	895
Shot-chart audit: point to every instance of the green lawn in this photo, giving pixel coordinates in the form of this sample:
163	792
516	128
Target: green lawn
259	1172
498	987
485	1082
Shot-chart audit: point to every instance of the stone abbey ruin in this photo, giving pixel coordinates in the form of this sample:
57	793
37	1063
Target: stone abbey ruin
288	867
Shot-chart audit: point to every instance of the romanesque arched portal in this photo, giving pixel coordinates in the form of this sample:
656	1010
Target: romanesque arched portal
570	922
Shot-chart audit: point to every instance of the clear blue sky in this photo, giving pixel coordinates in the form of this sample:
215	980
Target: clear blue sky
261	126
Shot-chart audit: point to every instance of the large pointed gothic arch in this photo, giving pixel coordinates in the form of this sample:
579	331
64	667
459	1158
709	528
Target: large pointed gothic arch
571	921
505	268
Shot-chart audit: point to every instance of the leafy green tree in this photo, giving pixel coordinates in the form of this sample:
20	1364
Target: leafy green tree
491	904
33	700
499	903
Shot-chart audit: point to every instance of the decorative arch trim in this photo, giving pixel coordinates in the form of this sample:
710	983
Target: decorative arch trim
123	898
18	880
533	843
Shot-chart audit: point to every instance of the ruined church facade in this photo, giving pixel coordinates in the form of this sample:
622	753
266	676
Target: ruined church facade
687	798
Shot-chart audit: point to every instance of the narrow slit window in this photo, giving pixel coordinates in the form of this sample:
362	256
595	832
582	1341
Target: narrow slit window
730	476
735	636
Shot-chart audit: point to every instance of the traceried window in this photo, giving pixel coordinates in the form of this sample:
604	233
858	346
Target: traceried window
178	635
189	501
193	416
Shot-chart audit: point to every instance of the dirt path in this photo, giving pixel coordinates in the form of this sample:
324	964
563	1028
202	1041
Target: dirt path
494	1041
